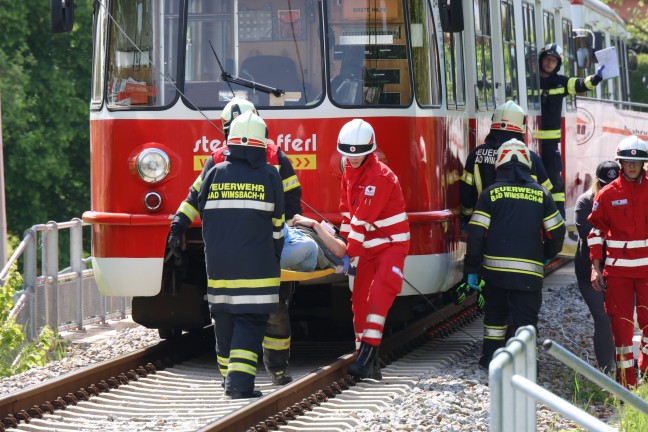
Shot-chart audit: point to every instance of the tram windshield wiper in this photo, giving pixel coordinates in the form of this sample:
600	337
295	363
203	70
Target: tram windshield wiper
229	78
225	76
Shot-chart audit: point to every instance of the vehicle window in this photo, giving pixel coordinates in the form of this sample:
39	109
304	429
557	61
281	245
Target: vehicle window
141	68
368	55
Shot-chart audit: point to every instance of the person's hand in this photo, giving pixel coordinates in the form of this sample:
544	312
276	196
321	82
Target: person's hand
481	302
344	268
473	281
303	221
174	242
597	278
599	71
461	292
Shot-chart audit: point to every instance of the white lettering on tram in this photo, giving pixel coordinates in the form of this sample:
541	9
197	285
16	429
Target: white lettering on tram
284	141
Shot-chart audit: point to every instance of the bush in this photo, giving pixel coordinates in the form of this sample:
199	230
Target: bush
17	354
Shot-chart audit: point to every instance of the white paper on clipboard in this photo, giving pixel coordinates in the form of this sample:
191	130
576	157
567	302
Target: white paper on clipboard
608	57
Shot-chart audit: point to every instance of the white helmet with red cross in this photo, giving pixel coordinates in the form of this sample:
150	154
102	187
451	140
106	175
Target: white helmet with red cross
513	151
356	138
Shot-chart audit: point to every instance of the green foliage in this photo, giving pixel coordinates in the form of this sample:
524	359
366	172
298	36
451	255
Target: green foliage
631	419
45	89
638	90
17	354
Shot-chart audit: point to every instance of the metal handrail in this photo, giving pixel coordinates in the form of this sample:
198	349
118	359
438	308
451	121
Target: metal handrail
514	392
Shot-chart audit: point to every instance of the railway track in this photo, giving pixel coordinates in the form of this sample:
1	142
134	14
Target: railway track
175	385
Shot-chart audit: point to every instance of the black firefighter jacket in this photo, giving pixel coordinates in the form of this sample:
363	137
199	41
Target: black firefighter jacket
241	204
479	172
514	228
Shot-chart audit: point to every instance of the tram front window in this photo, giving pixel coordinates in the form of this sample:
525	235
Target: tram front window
368	53
142	53
278	44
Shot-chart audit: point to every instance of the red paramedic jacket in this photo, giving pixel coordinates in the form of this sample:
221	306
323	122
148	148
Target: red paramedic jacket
373	210
620	219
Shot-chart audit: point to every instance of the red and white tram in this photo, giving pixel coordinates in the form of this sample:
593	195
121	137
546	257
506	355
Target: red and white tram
426	74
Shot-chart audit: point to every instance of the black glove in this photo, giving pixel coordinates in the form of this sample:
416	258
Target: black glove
175	241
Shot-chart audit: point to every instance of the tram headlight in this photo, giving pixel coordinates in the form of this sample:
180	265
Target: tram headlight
153	165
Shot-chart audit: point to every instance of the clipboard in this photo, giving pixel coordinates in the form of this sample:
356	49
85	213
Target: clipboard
608	57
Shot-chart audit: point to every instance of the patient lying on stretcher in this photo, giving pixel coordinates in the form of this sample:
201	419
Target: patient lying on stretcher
310	245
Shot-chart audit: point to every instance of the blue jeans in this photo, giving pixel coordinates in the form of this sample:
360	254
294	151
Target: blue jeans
299	251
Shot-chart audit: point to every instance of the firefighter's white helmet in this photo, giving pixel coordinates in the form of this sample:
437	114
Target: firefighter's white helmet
632	148
509	117
513	150
356	138
248	129
234	108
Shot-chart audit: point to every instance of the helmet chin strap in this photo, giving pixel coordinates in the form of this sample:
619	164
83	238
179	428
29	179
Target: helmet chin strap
632	178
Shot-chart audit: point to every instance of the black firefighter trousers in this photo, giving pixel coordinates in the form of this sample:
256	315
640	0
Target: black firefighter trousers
522	306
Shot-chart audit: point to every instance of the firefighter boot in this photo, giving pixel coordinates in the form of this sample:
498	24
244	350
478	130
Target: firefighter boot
489	348
280	378
360	368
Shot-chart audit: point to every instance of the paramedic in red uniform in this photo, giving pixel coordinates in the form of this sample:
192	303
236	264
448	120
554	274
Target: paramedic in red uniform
620	219
375	225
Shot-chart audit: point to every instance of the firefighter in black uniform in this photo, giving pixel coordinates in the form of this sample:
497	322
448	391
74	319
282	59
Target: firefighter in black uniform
553	88
515	227
508	122
276	344
241	204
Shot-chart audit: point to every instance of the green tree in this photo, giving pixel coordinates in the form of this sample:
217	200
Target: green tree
45	89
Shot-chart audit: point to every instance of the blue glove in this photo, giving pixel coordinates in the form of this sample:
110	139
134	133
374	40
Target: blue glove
599	71
473	281
345	265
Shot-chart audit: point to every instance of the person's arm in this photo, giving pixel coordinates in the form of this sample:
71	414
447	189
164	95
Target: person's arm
468	190
581	85
332	243
291	186
596	237
554	227
582	210
541	175
597	277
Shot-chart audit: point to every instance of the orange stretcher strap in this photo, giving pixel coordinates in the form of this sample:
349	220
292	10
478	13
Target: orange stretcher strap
295	276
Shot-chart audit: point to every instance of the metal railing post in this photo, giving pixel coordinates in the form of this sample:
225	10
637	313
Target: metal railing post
76	266
29	280
528	335
50	273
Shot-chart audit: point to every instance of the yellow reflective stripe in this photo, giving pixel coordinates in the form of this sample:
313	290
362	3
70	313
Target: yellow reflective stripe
467	178
479	185
481	219
571	86
197	184
290	183
466	211
188	210
278	222
588	83
239	204
243	283
514	265
557	91
276	344
242	367
494	332
546	134
553	221
558	197
244	354
243	299
547	185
